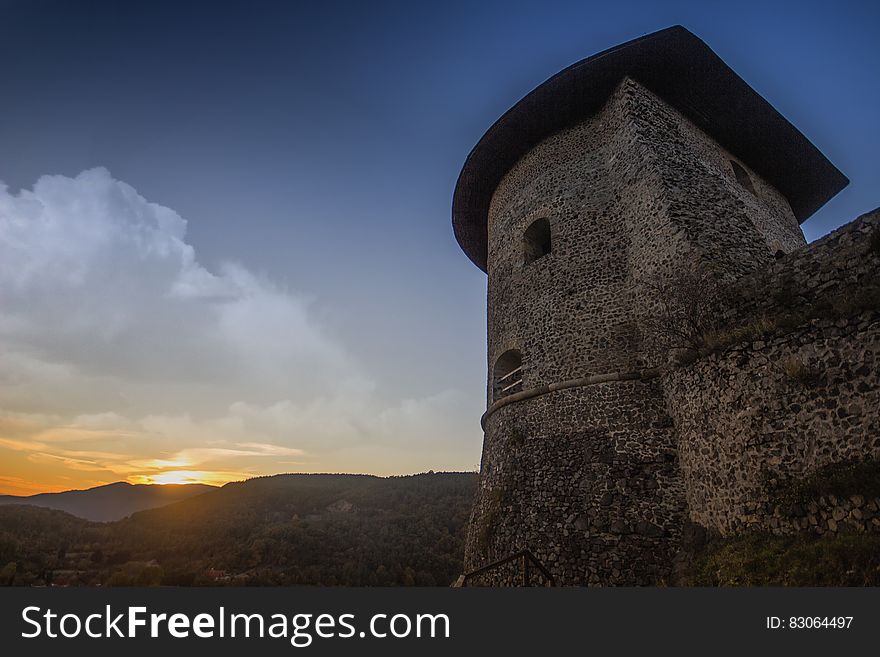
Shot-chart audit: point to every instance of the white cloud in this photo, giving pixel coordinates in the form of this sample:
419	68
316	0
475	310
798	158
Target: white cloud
114	335
95	278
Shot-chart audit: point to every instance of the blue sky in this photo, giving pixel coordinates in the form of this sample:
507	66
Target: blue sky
311	150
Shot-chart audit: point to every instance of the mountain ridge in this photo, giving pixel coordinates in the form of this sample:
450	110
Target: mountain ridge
292	529
110	502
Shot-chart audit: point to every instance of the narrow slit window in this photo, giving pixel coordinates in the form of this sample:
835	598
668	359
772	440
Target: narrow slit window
536	241
742	176
508	374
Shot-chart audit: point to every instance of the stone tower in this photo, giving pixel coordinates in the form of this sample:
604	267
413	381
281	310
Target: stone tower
578	202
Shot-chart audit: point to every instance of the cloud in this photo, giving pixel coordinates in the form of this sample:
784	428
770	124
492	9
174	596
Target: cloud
98	283
124	355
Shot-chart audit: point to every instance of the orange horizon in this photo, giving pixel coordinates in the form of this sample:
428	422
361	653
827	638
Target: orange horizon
24	490
20	491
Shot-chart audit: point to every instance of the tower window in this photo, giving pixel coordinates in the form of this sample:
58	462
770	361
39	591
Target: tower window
507	374
742	176
536	241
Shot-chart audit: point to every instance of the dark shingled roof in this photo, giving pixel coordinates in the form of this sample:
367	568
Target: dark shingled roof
681	69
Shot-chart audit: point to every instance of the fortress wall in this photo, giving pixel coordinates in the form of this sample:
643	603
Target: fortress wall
588	480
656	245
770	411
840	265
726	225
630	193
584	478
566	312
696	214
710	202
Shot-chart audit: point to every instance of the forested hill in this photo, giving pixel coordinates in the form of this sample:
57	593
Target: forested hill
110	502
354	530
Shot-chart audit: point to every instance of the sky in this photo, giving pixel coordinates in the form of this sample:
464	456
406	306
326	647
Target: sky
225	240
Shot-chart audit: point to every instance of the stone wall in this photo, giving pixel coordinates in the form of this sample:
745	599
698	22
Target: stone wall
630	194
826	514
775	409
832	270
567	311
600	480
587	478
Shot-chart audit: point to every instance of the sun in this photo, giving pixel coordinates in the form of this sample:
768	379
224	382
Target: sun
188	477
178	477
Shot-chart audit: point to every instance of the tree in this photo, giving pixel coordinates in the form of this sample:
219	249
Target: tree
7	575
686	309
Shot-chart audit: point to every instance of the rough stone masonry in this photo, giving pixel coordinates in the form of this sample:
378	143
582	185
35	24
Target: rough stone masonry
584	204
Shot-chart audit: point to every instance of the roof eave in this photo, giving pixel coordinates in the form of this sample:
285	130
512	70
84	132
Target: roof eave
686	73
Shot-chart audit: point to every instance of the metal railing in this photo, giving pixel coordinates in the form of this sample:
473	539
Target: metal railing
509	381
529	561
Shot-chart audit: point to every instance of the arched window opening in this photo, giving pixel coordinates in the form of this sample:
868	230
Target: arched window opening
536	241
742	176
507	374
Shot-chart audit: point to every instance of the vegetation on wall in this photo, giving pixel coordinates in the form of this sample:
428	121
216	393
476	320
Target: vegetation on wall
688	320
843	558
797	560
800	372
837	479
686	309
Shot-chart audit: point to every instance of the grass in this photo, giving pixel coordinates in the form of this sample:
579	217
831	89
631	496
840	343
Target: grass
849	303
802	559
799	560
759	328
838	479
840	306
799	372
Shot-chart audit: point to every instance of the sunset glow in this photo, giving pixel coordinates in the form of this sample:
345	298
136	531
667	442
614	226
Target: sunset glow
165	371
189	477
230	256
